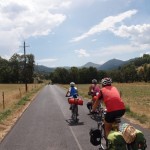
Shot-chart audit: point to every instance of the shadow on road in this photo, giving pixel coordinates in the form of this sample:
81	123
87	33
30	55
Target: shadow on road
72	123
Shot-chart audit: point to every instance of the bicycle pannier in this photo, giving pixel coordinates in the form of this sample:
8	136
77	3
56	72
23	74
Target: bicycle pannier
116	141
94	98
128	132
89	105
95	136
78	101
139	142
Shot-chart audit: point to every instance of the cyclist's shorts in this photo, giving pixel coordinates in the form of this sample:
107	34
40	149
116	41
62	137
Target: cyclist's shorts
110	116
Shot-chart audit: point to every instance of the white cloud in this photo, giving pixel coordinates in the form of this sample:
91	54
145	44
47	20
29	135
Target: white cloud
139	34
118	50
50	62
106	24
141	54
23	19
46	60
82	53
94	40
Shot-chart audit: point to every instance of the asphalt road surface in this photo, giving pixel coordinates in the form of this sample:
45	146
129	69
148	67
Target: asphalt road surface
46	125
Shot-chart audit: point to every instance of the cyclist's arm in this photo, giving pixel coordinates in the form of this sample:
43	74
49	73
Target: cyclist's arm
95	105
98	100
89	92
68	93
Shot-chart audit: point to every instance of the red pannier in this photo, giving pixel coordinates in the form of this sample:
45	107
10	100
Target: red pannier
94	98
77	101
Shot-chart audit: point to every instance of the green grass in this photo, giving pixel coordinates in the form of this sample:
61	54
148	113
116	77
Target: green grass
5	114
135	95
23	101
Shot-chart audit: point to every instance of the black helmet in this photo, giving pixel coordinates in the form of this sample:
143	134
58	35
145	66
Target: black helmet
94	81
106	81
95	136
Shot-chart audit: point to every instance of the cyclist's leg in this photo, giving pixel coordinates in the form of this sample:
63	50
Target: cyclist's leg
77	111
107	128
70	106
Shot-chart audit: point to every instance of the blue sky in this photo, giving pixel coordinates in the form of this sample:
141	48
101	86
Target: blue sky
73	32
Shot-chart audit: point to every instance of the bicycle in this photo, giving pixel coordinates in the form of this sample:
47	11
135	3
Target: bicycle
74	110
99	117
74	102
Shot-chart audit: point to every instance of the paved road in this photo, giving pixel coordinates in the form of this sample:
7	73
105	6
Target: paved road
45	125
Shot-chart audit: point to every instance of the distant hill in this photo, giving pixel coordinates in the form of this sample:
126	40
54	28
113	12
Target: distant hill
90	64
112	64
43	69
109	65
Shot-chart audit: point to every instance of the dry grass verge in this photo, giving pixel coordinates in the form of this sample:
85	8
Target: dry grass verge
136	97
15	104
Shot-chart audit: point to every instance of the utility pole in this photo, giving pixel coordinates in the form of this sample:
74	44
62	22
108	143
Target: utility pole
25	70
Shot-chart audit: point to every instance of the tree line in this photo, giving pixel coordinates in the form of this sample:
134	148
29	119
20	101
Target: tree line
18	69
136	70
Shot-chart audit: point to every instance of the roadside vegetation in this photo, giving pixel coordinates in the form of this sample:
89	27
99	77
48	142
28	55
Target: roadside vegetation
135	95
13	101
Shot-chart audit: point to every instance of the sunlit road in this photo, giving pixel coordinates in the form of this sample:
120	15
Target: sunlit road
46	125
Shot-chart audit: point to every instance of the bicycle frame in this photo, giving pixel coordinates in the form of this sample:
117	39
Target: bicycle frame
99	117
74	111
100	125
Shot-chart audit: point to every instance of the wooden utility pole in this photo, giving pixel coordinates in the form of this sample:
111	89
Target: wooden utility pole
25	70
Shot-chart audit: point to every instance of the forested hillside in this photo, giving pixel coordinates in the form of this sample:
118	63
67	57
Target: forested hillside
136	70
21	69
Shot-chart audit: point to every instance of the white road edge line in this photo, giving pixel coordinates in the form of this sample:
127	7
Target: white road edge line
76	139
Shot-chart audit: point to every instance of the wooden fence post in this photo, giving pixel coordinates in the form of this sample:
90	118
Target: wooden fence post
20	92
3	100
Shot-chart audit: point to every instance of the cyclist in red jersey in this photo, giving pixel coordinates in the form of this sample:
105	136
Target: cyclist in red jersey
113	102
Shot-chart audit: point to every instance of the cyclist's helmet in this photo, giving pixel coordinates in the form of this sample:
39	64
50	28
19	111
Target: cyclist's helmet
94	81
72	84
106	81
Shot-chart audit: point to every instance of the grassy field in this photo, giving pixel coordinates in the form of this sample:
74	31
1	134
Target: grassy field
136	97
13	101
10	94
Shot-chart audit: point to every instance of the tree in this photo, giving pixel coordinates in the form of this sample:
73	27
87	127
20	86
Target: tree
4	71
74	74
60	75
14	62
83	75
29	68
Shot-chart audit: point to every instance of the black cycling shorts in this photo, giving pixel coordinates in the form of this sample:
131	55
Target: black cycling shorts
110	116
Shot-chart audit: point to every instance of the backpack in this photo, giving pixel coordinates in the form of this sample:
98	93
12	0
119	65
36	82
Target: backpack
116	141
73	92
95	136
139	142
128	132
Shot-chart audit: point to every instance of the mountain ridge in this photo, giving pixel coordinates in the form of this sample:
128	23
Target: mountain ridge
108	65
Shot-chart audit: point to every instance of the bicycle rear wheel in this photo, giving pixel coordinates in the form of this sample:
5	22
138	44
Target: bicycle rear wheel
75	113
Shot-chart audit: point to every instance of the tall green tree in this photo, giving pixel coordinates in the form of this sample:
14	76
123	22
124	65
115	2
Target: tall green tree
74	74
29	68
14	62
4	71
